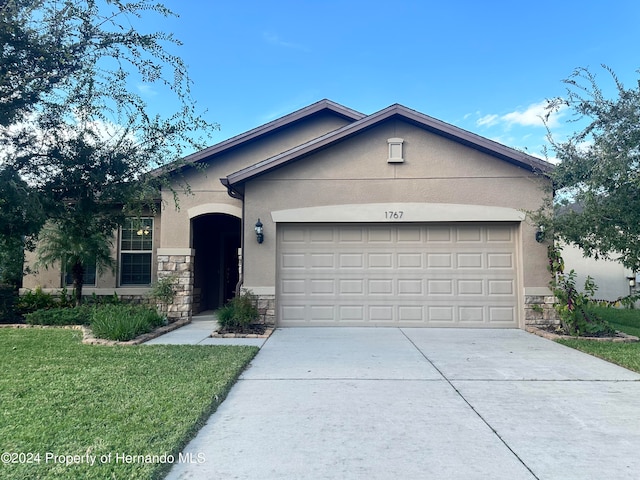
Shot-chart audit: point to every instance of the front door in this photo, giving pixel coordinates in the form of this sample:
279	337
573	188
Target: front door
216	240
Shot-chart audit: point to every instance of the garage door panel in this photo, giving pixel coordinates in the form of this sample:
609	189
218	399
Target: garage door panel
505	315
410	260
501	287
470	287
500	260
439	260
381	287
468	234
403	274
469	260
500	234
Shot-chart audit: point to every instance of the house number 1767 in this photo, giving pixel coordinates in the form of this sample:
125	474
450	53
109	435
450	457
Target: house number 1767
393	214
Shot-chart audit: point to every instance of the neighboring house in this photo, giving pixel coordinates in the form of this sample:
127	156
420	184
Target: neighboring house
389	219
611	278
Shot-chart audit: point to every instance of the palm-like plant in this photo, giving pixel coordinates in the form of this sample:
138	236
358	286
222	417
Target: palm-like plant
75	250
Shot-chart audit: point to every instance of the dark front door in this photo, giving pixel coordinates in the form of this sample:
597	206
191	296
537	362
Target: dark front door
216	240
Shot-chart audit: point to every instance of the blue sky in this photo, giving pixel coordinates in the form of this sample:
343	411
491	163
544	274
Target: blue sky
485	66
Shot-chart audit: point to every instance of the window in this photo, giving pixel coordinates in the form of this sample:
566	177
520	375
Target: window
136	246
89	276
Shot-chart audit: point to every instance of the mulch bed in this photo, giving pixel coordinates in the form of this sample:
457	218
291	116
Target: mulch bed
255	330
555	333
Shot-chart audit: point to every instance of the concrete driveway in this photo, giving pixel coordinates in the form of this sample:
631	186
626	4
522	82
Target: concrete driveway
390	403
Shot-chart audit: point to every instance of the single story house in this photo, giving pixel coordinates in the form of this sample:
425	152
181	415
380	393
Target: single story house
333	217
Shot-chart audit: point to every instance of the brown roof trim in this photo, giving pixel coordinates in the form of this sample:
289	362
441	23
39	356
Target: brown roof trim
438	127
322	105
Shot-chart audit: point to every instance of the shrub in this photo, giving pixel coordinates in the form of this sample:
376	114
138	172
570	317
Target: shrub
7	303
238	313
61	316
123	322
35	300
163	292
576	309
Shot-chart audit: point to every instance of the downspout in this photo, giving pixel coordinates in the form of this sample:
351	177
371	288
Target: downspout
236	194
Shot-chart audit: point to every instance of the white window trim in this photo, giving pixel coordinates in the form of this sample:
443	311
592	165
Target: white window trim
121	252
396	154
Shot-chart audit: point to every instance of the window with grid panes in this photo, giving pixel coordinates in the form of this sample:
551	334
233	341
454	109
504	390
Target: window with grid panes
136	247
89	279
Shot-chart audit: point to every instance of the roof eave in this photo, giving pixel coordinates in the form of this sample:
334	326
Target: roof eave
257	132
436	126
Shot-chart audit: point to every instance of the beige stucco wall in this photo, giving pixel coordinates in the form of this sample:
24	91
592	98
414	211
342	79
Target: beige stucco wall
435	170
106	282
204	183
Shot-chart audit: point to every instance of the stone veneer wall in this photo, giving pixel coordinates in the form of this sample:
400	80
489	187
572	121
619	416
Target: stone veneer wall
539	310
178	263
266	305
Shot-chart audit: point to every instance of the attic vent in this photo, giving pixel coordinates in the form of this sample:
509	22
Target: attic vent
395	150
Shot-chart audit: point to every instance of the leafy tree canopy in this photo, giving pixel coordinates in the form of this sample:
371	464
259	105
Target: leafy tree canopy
597	182
74	127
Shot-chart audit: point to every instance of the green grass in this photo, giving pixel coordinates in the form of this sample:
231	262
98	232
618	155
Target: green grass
58	396
624	354
623	319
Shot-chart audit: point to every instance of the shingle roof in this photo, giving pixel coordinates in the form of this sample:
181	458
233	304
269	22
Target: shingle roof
431	124
233	142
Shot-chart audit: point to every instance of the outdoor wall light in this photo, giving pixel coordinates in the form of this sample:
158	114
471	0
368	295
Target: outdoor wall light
258	229
632	281
540	234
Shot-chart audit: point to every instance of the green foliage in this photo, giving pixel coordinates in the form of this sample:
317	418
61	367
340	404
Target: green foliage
164	290
59	395
21	216
82	243
596	182
35	300
623	319
7	302
80	315
238	313
576	309
78	131
123	322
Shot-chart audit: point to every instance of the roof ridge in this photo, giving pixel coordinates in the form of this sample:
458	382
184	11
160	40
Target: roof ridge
433	124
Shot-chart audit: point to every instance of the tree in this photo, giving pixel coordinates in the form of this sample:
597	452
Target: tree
597	182
78	133
21	217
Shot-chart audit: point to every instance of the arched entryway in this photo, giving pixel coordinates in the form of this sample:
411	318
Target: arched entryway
216	240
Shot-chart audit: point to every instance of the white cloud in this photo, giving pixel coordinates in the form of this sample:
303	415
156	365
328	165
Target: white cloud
146	90
534	115
487	121
274	39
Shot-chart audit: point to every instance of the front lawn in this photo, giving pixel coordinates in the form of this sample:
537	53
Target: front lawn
112	406
624	354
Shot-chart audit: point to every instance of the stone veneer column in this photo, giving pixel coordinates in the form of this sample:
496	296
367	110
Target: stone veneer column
178	263
539	309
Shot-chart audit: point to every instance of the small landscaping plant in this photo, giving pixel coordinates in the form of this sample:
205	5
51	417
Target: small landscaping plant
576	310
163	292
35	300
124	322
7	303
80	315
239	313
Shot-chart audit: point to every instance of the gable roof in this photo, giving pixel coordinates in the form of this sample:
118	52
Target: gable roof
426	122
233	142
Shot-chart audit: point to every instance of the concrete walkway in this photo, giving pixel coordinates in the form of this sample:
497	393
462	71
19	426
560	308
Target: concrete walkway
389	403
198	332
